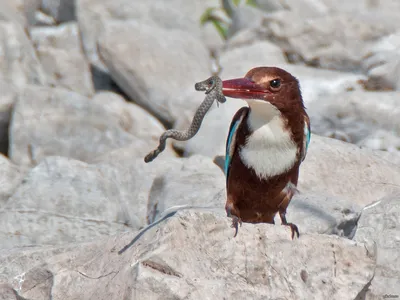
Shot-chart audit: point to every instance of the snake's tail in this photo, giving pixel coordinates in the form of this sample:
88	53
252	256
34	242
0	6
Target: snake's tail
161	147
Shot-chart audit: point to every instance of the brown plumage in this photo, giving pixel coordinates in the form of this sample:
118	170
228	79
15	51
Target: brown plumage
252	197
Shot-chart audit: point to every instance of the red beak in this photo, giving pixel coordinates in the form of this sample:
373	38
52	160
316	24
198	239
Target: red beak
242	88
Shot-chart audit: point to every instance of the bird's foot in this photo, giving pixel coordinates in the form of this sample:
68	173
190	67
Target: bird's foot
235	224
293	228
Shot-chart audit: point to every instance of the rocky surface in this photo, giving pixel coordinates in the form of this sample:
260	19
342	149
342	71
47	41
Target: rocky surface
88	86
192	255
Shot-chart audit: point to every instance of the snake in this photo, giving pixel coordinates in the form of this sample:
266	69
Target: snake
213	90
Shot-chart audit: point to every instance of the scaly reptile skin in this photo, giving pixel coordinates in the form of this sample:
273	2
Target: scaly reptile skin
213	88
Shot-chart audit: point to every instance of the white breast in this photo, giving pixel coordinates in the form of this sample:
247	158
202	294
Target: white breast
269	150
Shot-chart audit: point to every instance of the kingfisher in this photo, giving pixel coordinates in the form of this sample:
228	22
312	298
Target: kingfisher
266	143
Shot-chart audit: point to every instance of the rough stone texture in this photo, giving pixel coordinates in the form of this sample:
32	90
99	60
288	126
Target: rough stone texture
10	177
48	121
63	200
13	11
93	15
334	41
18	63
60	52
382	63
379	227
142	64
359	116
181	257
196	183
341	169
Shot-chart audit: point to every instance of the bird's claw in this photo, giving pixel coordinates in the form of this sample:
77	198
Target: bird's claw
235	224
294	229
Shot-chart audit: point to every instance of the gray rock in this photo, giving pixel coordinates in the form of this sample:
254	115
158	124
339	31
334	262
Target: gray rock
19	63
317	213
10	177
60	52
379	228
363	5
359	115
192	255
382	63
63	200
60	10
334	41
153	65
13	11
93	15
48	122
196	182
344	170
305	8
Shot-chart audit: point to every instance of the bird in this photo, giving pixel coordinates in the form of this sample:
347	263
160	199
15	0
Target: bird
266	144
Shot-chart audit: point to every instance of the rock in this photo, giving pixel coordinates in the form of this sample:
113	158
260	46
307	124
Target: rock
197	182
359	115
244	16
48	121
363	5
312	267
60	53
317	213
305	8
13	11
382	63
382	140
19	63
334	41
8	97
60	10
379	228
10	177
93	15
153	65
344	170
64	200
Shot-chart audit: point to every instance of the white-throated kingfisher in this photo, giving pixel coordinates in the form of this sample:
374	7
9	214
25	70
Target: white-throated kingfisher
266	144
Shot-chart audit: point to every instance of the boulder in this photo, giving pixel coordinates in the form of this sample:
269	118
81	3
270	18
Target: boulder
344	170
360	117
153	65
193	255
10	177
60	52
60	10
379	228
8	97
54	121
19	63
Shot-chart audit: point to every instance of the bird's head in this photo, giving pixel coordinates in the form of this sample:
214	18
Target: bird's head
266	84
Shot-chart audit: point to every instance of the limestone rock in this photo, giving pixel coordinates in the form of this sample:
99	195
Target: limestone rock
180	257
19	63
60	52
379	228
359	115
153	65
10	177
344	170
48	121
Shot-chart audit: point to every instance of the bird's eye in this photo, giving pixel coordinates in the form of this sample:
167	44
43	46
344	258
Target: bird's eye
275	84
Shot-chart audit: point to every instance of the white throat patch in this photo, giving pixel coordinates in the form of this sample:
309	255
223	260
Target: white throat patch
269	150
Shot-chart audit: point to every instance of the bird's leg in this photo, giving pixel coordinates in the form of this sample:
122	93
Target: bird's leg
236	221
293	227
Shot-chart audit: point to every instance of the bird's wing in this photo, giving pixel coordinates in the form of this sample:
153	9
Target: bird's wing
230	141
307	136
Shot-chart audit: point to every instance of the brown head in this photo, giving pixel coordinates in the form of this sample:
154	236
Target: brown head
274	86
270	84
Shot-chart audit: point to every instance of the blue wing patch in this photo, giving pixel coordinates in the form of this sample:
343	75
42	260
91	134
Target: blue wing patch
228	153
230	141
307	137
